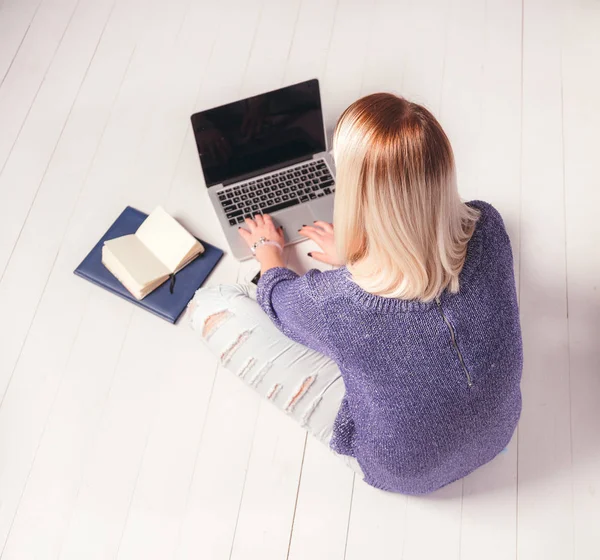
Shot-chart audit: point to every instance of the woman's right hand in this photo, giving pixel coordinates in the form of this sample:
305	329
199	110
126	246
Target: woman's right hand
322	234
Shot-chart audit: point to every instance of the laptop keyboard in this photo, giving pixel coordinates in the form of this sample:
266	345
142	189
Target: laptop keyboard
277	191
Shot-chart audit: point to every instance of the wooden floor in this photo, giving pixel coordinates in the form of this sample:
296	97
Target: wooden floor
119	436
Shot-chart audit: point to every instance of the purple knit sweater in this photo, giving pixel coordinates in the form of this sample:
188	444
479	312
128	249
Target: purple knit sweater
432	389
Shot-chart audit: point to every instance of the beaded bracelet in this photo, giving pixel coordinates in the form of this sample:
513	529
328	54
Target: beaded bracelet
264	241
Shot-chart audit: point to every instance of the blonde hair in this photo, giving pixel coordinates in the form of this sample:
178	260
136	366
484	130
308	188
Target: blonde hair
399	223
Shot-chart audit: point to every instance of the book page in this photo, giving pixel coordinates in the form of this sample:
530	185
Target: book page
167	239
134	257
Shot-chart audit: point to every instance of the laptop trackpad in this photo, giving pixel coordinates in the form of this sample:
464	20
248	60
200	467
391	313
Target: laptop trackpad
322	209
293	219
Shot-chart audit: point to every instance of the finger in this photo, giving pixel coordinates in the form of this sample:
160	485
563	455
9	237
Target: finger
279	233
245	235
270	224
324	225
259	220
313	234
317	240
321	257
251	224
306	228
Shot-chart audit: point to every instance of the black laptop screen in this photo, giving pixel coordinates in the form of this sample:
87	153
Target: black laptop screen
241	139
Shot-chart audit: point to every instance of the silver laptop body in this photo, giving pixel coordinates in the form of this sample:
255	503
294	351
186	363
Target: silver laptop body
267	154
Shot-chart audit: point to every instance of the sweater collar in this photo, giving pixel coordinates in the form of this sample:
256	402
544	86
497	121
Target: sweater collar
386	304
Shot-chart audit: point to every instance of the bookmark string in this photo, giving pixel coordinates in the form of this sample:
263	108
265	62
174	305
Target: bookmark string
172	283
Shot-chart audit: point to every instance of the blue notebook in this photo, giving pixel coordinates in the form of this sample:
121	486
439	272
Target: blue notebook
161	301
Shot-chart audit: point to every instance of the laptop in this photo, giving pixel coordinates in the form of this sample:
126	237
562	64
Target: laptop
267	154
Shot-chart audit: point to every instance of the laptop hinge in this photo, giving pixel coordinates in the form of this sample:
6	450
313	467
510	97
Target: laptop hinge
264	170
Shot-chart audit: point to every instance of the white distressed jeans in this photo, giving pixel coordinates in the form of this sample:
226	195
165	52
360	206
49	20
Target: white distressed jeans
301	382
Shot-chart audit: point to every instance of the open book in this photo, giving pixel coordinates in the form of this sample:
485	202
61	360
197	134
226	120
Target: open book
157	250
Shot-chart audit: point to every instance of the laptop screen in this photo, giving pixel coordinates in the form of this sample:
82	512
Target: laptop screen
241	139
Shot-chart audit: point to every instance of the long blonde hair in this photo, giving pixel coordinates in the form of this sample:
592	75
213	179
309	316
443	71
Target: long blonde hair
399	223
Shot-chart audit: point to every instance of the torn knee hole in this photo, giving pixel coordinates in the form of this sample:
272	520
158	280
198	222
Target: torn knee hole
248	365
274	391
214	321
228	353
299	393
260	374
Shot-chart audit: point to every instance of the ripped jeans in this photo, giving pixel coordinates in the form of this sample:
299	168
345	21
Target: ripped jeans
301	382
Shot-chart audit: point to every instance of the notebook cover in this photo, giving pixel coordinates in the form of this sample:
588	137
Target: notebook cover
161	301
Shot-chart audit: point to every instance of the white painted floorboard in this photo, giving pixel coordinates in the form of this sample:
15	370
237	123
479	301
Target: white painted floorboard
119	435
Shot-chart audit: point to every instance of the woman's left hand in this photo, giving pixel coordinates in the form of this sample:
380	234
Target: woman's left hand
263	226
322	234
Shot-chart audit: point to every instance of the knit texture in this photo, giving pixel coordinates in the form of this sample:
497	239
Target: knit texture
410	416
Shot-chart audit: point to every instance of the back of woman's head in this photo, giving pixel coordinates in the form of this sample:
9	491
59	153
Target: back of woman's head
400	225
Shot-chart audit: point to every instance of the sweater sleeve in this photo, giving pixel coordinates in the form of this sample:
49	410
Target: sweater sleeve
289	300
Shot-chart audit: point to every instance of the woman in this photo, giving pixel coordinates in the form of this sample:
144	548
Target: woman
407	359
